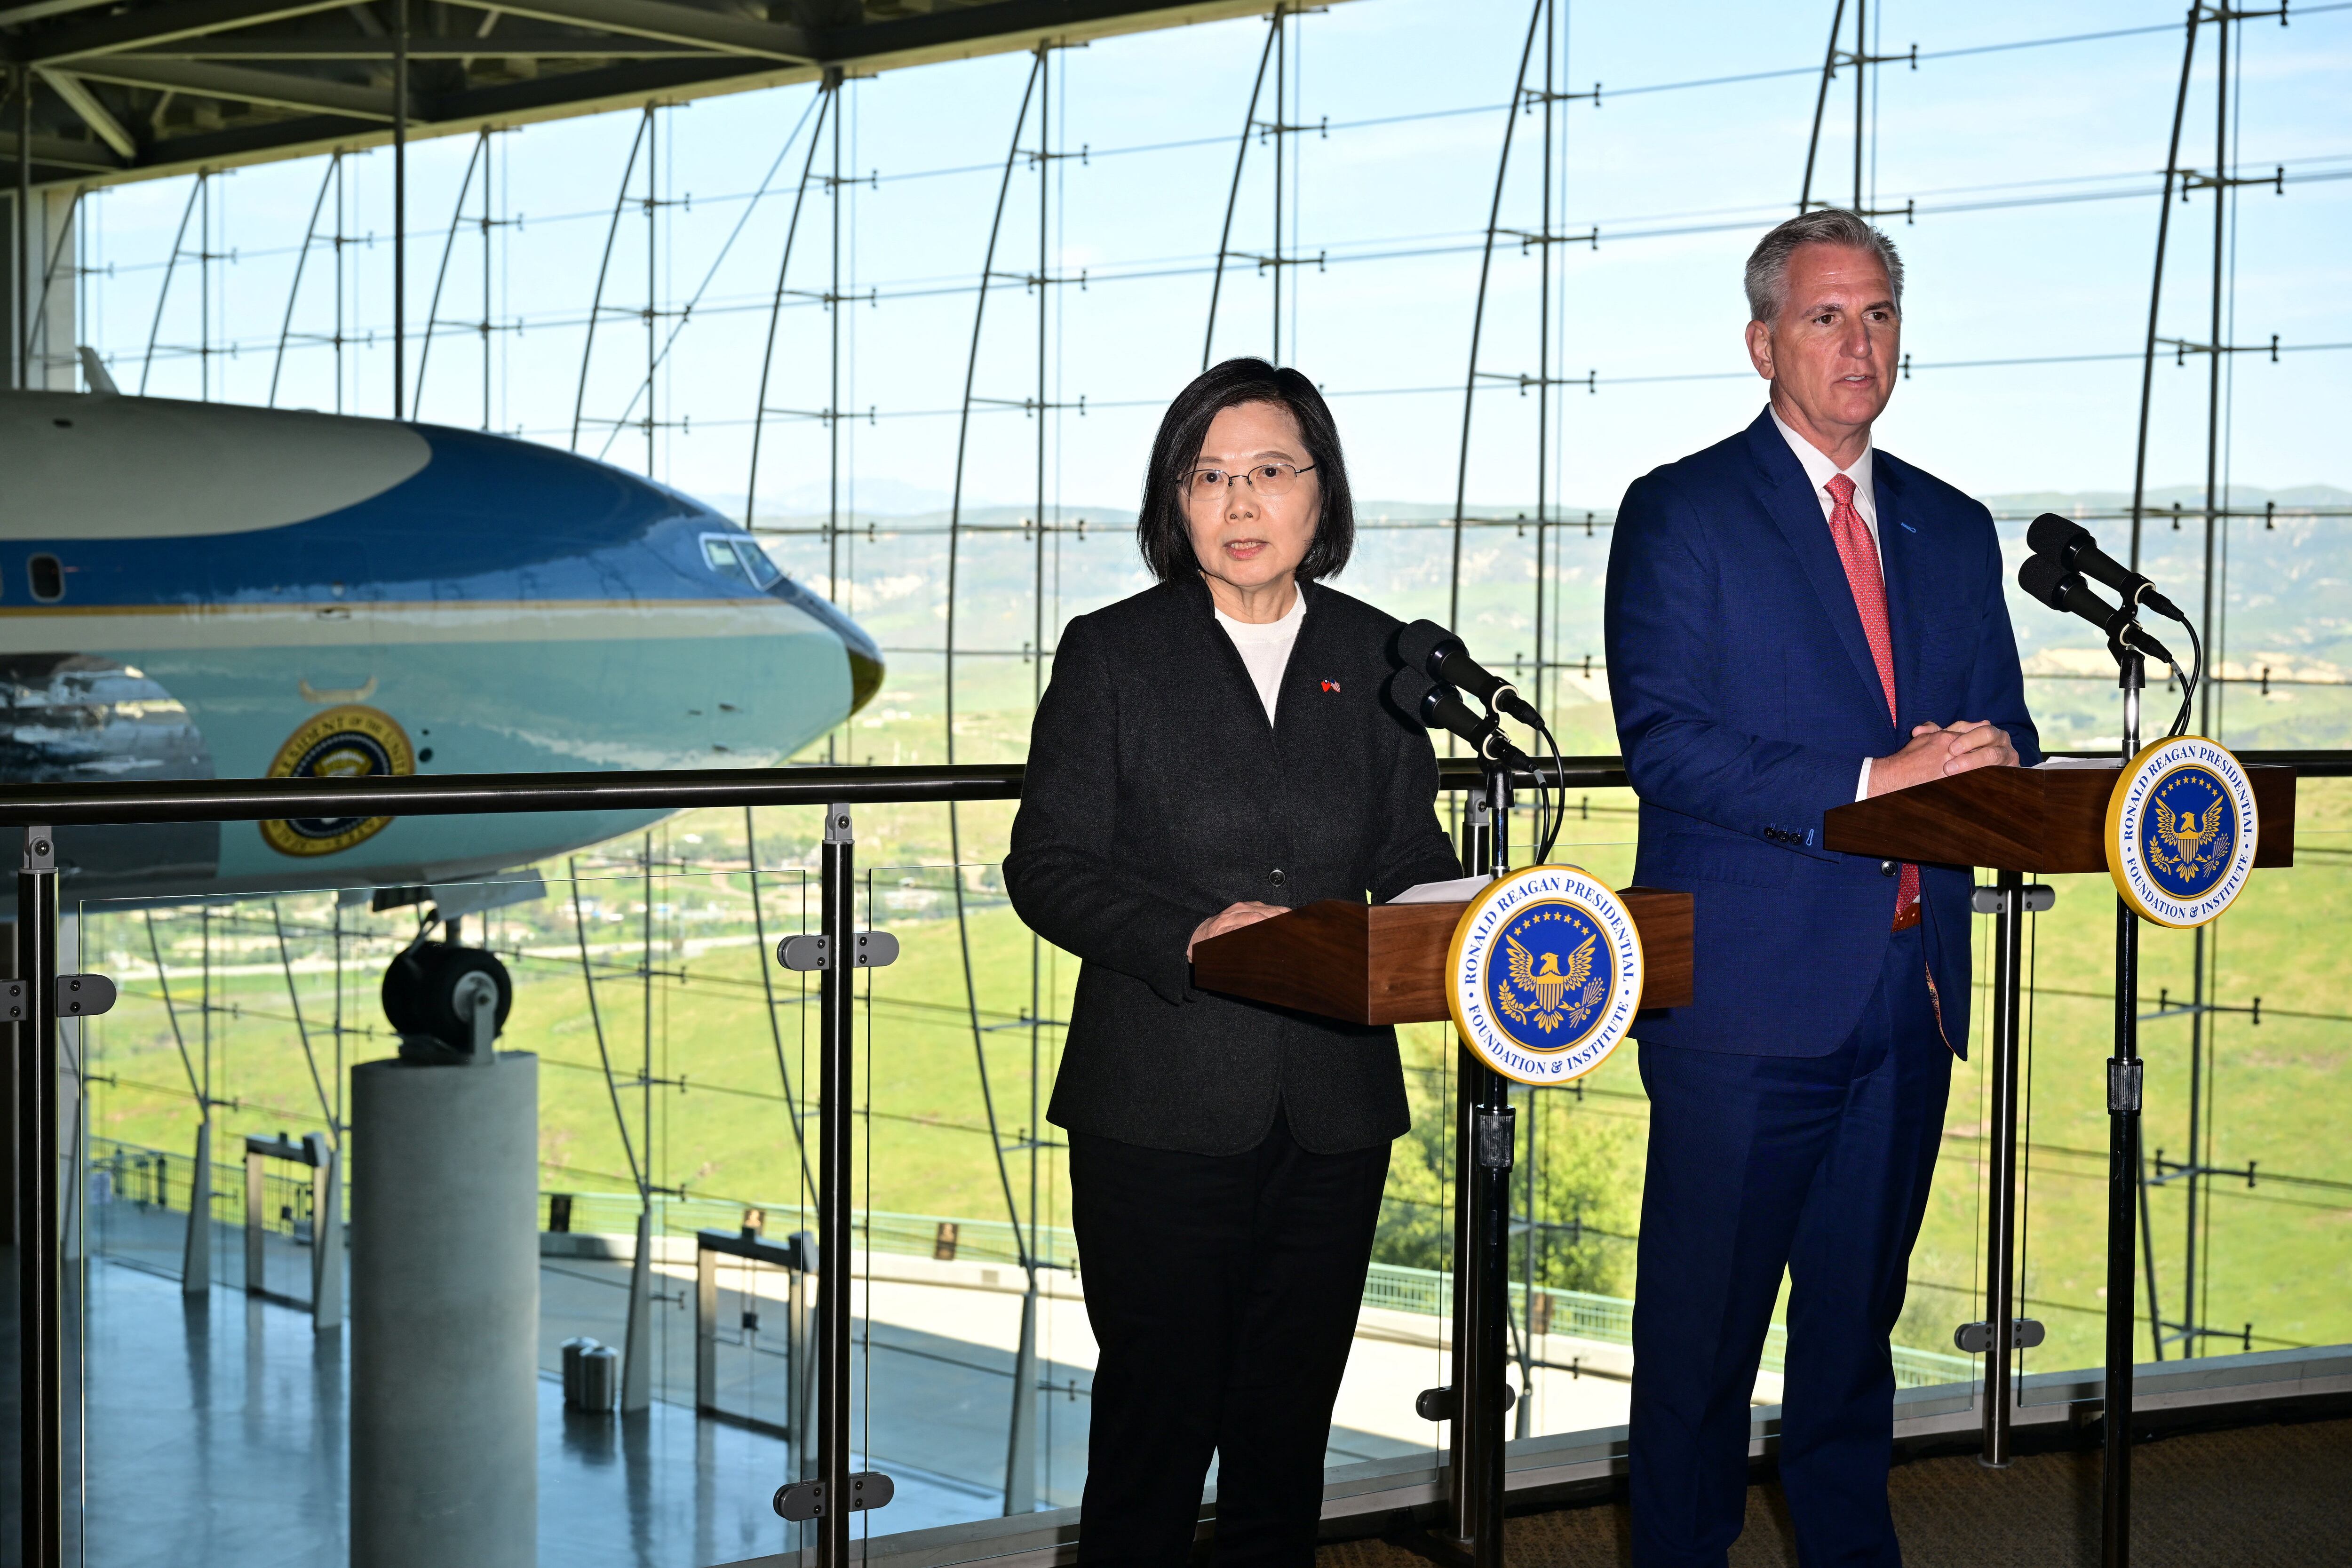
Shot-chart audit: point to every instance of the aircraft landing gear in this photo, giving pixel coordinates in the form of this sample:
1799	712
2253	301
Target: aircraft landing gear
431	994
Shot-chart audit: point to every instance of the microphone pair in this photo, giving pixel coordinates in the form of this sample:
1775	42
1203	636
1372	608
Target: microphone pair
1437	669
2064	553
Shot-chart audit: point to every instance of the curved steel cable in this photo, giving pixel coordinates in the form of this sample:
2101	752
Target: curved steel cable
768	988
1478	315
301	258
955	525
767	183
2156	285
441	273
1821	103
172	1015
1232	197
775	308
301	1027
39	317
641	1180
171	264
596	303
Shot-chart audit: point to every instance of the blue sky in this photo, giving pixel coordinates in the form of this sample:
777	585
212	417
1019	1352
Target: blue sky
1393	197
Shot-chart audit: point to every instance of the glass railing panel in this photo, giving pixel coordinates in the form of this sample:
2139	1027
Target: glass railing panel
678	1081
976	1362
2243	1029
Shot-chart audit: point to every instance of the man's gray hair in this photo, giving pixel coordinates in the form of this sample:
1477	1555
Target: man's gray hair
1768	264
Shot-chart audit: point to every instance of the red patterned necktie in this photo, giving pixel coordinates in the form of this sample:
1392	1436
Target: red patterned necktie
1860	554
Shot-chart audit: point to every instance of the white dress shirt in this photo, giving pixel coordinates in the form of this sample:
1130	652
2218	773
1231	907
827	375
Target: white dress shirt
1820	470
1265	649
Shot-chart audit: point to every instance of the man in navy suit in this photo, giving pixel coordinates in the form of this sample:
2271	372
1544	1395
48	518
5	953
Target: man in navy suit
1795	621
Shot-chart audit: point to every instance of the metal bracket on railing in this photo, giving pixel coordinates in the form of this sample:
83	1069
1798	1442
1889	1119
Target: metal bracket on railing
84	995
1442	1403
40	850
2124	1085
1496	1136
805	1499
1975	1338
872	950
2039	897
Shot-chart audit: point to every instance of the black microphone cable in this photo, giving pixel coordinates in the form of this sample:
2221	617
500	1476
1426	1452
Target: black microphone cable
2195	679
1560	775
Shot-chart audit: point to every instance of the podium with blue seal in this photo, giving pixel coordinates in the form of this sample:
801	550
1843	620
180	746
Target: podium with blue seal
2179	826
1541	974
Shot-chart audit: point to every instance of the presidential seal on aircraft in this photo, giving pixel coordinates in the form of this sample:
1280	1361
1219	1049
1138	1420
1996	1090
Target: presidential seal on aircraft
2182	831
1544	974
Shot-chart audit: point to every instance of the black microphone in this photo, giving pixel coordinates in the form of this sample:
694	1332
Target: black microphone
2072	546
1441	708
1427	646
2047	579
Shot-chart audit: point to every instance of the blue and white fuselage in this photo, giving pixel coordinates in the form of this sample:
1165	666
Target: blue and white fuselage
205	590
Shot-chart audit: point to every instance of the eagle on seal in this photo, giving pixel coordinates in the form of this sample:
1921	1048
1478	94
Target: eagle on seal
1546	982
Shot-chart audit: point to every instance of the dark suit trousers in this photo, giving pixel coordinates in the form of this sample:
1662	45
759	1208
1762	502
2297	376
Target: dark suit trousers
1819	1164
1223	1289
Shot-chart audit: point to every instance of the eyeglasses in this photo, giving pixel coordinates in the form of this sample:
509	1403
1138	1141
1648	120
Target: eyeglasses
1268	479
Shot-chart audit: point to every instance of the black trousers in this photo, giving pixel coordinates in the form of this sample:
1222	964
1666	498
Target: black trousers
1222	1290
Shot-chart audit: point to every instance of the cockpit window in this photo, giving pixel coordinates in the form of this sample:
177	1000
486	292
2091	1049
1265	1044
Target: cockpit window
755	560
734	556
719	554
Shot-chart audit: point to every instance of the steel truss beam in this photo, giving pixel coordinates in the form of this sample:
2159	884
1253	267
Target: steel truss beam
277	62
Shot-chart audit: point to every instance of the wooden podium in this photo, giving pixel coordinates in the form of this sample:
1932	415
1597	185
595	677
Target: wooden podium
2048	820
2051	820
1385	964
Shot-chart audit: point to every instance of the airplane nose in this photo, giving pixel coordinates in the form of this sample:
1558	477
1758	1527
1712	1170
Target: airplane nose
866	673
866	665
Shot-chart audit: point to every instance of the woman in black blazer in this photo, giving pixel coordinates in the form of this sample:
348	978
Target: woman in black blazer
1211	752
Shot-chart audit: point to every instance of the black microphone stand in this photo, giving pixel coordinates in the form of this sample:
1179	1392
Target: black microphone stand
2123	1076
1484	1137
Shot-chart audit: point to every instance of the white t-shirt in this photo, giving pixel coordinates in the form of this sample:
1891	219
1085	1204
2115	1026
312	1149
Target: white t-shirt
1265	649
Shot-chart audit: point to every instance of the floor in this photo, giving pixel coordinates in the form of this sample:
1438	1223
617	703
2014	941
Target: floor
2259	1496
217	1423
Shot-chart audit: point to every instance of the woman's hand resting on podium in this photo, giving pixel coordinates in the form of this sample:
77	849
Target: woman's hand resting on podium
1233	917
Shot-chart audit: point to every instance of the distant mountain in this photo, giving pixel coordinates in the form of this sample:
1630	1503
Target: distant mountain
2281	601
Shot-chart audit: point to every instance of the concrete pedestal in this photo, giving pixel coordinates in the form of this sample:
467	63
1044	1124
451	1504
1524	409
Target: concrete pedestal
445	1314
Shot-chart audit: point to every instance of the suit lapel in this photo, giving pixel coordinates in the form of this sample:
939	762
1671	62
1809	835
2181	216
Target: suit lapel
1900	548
1790	499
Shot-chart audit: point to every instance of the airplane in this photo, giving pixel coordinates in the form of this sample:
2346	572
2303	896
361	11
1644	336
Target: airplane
209	590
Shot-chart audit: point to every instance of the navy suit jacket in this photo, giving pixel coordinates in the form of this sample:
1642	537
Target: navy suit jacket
1746	700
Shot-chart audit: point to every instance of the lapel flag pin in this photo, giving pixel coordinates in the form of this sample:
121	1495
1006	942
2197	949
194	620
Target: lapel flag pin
1331	686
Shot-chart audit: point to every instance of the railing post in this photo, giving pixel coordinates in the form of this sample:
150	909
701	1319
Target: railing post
256	1202
196	1255
839	925
2001	1226
800	1355
40	1347
705	1328
326	1233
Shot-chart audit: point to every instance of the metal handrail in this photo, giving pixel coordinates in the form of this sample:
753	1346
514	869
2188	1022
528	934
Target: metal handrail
250	800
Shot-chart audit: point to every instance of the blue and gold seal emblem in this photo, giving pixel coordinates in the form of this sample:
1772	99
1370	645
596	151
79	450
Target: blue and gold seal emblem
2182	831
348	741
1544	974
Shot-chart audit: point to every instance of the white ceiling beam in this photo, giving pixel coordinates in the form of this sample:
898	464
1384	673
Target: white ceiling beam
93	113
724	31
275	89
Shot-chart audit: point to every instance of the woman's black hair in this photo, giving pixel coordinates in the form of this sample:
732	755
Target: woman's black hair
1161	532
